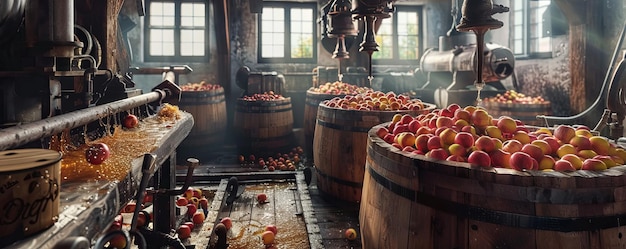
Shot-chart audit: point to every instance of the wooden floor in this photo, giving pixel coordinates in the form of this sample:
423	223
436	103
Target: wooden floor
333	216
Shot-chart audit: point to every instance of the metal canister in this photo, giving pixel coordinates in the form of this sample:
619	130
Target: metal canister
30	181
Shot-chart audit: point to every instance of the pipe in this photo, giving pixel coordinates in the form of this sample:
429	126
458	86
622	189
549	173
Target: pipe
22	134
63	20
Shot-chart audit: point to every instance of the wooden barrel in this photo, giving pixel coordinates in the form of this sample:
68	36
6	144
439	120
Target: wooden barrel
30	182
264	127
411	201
313	99
527	113
208	109
339	146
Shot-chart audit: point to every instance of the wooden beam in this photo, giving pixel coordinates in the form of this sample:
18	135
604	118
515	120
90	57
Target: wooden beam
587	59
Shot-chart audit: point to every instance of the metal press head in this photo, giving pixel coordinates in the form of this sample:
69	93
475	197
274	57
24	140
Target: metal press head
477	15
340	25
340	21
375	8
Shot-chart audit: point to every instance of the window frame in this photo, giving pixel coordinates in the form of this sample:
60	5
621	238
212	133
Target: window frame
526	39
287	6
177	57
395	59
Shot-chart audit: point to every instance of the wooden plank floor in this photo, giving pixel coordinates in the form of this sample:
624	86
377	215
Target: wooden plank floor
333	216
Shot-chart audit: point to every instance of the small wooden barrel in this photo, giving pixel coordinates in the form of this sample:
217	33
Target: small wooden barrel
264	127
339	146
313	99
411	201
527	113
208	109
30	181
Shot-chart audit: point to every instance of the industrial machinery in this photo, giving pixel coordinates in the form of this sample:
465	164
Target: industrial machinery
452	68
62	72
50	65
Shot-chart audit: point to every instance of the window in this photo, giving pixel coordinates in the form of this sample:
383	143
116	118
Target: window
401	41
287	32
528	25
176	30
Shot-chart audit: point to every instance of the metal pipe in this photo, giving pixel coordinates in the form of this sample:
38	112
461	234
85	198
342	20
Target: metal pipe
22	134
63	20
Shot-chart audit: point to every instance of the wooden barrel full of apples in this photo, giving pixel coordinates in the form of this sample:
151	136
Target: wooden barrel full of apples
525	112
339	147
313	99
264	127
414	201
30	182
208	109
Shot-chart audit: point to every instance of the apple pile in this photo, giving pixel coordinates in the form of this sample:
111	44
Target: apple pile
339	88
200	86
197	208
266	96
472	135
511	96
375	101
285	161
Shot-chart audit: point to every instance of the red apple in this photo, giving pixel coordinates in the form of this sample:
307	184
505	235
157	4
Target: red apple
189	224
521	160
350	234
438	153
271	228
97	153
184	232
198	218
479	158
204	203
533	150
564	133
261	198
465	139
563	165
191	209
267	237
228	223
131	121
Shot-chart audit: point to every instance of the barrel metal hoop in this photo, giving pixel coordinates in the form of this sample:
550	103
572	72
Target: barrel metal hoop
342	127
573	224
340	181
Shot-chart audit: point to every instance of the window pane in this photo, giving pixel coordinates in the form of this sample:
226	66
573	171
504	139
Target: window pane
301	46
161	14
384	39
287	31
271	51
162	42
192	42
301	33
518	32
518	47
192	15
518	17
